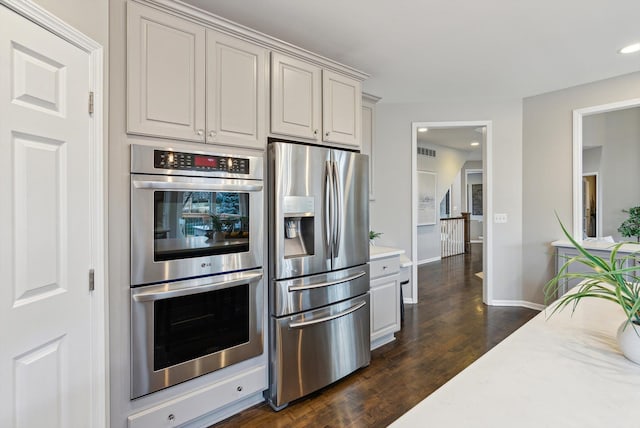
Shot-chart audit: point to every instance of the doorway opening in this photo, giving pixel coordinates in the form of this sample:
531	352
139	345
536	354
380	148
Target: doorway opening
445	151
590	210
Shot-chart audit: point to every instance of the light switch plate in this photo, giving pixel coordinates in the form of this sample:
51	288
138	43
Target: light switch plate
500	218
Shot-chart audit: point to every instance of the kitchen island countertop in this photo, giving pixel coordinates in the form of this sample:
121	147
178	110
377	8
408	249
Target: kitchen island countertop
564	371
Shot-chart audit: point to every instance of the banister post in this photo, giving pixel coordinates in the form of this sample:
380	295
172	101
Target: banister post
467	232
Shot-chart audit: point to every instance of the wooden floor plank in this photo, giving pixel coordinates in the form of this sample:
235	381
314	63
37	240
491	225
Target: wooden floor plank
446	331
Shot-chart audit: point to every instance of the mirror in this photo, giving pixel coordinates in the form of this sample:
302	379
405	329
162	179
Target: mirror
607	171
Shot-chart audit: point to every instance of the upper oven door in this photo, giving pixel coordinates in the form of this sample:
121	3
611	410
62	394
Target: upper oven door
184	227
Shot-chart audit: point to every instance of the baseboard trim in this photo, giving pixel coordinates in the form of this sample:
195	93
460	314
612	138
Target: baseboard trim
517	303
431	260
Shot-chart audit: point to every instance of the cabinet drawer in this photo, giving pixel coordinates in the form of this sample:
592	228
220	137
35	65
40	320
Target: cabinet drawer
385	266
192	405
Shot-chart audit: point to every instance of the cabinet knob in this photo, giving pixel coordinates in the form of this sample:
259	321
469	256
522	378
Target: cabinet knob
326	134
315	132
239	388
200	132
212	134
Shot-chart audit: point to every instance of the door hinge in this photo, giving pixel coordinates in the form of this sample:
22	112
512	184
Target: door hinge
90	102
92	284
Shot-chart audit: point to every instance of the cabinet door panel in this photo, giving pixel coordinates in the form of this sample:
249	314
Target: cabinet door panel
165	75
235	91
295	97
341	109
385	306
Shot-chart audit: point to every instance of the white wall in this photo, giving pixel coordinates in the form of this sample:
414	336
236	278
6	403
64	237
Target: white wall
393	183
547	169
91	17
446	165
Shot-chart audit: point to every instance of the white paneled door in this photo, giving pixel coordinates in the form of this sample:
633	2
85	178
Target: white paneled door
46	183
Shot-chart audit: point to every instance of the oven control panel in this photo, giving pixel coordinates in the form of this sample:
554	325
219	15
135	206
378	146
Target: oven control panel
165	159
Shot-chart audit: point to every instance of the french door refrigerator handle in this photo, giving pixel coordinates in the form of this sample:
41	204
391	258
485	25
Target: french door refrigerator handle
328	207
338	210
329	318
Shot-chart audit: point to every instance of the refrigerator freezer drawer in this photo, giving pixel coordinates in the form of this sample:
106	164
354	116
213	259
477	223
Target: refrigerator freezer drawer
303	294
317	348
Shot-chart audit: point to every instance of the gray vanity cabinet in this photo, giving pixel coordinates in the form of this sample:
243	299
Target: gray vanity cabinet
566	252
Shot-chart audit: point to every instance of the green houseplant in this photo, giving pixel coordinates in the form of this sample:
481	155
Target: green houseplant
631	226
374	235
606	279
215	233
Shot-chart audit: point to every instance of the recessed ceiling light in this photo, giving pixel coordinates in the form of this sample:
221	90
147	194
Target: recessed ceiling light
475	143
630	49
423	129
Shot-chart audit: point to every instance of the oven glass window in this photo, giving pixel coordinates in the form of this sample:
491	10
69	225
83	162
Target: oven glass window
193	326
198	224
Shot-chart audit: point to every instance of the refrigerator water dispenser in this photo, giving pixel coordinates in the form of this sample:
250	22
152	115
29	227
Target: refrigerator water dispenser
298	226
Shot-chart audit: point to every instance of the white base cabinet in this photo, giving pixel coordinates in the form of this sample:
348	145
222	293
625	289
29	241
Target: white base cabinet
186	408
385	299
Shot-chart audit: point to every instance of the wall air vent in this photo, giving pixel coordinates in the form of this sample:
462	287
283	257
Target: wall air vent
426	152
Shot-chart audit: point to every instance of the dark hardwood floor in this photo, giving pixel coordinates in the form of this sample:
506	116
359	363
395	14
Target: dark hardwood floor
448	330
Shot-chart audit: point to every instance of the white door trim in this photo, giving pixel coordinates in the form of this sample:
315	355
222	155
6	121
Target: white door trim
578	115
99	349
487	182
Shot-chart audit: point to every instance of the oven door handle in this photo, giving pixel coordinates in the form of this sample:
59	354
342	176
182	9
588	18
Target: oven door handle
325	283
191	187
169	294
329	318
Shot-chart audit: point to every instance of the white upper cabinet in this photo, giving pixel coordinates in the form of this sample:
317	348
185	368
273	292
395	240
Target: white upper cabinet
368	135
187	82
295	97
341	104
236	91
312	103
165	75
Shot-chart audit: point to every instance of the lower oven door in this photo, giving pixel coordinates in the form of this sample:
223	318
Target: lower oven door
315	348
185	329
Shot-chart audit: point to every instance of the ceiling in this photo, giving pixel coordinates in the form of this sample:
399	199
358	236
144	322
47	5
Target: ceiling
433	49
458	138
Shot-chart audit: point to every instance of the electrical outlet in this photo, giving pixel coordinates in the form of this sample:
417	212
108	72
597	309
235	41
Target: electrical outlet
500	218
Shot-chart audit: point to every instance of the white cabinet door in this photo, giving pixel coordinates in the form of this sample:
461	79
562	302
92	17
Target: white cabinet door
295	97
368	136
165	75
49	230
385	307
236	91
341	109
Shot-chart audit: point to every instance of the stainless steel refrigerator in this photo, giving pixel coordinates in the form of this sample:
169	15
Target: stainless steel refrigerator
318	271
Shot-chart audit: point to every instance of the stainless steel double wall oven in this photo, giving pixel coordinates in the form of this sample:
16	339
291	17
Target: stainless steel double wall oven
197	287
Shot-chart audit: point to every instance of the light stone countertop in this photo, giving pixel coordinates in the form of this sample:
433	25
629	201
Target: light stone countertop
558	372
378	252
598	245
